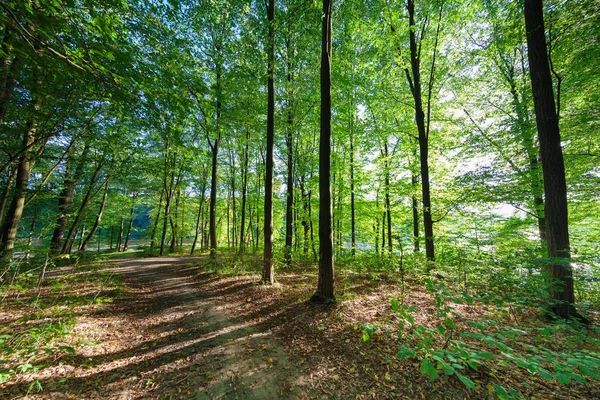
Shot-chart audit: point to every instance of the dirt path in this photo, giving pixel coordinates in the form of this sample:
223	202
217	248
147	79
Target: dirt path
168	337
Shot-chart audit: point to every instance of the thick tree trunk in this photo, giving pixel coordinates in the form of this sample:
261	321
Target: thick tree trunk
268	268
423	130
24	168
212	226
89	237
10	178
65	200
10	66
173	222
325	291
555	187
352	199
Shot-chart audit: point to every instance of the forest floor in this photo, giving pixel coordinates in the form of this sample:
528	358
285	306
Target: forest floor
179	330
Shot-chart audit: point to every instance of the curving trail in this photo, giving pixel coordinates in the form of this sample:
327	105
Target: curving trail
169	336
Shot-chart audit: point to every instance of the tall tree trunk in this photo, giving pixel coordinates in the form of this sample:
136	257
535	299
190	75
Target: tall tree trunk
68	242
10	177
169	190
24	168
173	222
289	141
155	226
415	212
126	245
242	248
422	125
555	187
10	66
325	291
89	237
388	207
352	199
65	200
199	217
120	237
268	268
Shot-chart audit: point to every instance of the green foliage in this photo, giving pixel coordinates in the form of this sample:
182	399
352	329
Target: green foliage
455	346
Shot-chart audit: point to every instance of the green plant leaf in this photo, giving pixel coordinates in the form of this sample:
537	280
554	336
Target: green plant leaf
563	378
466	381
427	368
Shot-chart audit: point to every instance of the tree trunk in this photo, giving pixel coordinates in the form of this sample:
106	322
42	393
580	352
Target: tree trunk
120	237
423	130
199	217
289	141
325	291
10	177
10	67
388	206
169	190
555	187
268	268
88	239
155	226
242	247
415	213
24	167
65	200
68	242
126	245
352	200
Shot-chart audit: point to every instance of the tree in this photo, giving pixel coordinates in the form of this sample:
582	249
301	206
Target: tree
555	186
325	291
268	268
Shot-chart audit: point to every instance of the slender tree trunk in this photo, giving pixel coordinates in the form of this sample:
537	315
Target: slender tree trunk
289	141
268	269
126	245
89	237
213	202
242	248
155	226
68	242
388	207
555	187
120	237
199	217
415	212
325	291
169	191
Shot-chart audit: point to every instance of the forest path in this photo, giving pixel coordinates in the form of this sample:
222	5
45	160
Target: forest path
189	345
170	336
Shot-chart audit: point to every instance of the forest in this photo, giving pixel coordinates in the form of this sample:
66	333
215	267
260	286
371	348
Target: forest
299	199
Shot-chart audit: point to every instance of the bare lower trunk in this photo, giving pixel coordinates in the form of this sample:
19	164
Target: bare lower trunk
126	245
89	237
325	290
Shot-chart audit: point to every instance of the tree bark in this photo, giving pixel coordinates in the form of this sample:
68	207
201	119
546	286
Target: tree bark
325	290
126	245
10	177
555	187
155	226
199	218
289	141
242	247
24	168
387	196
89	237
268	267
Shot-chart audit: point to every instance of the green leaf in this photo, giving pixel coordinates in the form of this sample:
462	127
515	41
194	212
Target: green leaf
562	378
427	368
589	372
406	352
448	370
466	381
544	373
